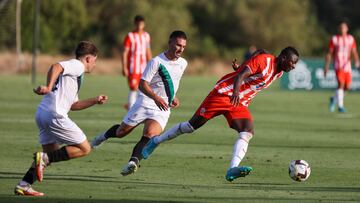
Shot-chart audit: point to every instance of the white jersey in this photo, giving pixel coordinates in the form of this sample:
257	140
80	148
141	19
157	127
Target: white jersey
164	77
65	90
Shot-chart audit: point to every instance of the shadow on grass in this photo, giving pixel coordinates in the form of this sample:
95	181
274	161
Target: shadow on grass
223	185
20	199
189	190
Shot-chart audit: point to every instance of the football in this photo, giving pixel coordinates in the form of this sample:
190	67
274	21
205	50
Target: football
299	170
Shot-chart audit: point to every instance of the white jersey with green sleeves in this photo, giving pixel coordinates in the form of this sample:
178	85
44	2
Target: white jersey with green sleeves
65	90
164	77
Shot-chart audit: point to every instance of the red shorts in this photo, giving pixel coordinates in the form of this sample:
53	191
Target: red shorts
133	81
343	77
218	104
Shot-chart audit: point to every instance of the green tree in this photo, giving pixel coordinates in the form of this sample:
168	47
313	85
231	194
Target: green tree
112	20
270	24
62	25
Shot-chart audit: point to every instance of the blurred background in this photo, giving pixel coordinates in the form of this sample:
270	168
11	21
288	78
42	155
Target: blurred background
218	30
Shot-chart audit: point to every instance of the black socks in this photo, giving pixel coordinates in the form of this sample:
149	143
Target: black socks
30	176
111	132
58	155
136	155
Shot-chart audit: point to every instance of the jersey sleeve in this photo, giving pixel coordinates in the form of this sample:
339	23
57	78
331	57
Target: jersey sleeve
127	42
150	70
72	68
255	63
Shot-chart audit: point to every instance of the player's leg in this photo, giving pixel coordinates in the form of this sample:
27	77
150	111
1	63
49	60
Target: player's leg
240	119
212	106
244	127
338	98
133	81
117	130
181	128
346	86
151	128
64	131
135	116
24	186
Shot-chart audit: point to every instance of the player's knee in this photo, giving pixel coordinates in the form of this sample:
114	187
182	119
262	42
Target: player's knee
347	87
186	127
341	85
86	149
246	136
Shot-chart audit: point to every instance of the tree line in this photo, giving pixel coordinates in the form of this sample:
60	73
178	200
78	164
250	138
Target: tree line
215	28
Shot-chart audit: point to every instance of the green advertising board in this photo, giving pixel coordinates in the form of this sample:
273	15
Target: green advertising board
309	75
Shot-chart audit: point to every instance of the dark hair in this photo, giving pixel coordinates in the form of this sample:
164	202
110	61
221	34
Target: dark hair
177	34
139	18
84	48
289	51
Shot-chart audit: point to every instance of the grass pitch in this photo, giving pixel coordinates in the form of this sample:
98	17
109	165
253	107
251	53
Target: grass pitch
191	168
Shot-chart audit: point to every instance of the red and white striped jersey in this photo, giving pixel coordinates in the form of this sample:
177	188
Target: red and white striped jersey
137	44
341	47
263	73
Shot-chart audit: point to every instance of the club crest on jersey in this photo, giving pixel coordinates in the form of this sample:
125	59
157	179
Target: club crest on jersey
202	111
260	85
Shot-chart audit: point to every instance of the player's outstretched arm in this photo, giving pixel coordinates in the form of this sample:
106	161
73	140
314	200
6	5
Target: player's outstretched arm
83	104
327	62
125	54
53	73
145	88
244	73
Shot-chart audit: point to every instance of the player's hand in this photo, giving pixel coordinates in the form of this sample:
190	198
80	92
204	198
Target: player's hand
163	106
235	66
175	103
41	90
101	99
325	72
235	98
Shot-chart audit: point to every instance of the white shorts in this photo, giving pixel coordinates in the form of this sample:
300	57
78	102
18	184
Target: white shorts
138	114
57	129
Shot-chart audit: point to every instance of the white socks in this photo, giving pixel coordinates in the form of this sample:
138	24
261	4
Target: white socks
132	97
240	148
339	96
175	131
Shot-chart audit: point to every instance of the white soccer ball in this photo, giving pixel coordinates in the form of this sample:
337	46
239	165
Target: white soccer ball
299	170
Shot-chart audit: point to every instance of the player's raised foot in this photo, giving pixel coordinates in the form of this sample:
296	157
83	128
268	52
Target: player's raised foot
332	104
237	172
341	110
97	141
130	168
25	189
41	161
149	148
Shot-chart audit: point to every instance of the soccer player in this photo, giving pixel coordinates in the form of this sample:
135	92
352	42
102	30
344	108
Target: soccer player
135	56
158	87
230	97
60	96
341	47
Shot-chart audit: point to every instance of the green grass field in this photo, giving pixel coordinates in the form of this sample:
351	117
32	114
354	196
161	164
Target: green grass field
191	168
